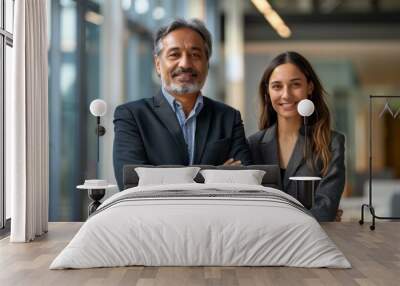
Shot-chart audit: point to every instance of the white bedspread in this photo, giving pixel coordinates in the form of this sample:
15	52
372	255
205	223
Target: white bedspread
207	230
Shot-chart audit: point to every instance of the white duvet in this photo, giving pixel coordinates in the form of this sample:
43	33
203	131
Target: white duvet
207	230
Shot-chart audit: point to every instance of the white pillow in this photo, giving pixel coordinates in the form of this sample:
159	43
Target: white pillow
166	176
248	177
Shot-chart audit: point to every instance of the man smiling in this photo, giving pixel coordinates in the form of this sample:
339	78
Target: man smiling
179	126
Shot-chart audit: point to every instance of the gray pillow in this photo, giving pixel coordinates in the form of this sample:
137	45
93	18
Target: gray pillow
166	176
248	177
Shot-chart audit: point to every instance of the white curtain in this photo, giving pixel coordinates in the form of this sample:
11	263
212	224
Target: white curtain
27	123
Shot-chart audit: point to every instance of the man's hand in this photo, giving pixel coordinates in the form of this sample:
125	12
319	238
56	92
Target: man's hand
232	162
339	214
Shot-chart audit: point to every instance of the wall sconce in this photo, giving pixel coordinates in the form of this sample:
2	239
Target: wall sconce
306	108
96	188
98	108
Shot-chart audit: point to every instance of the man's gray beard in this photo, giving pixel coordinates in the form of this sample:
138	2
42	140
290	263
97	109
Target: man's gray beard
182	89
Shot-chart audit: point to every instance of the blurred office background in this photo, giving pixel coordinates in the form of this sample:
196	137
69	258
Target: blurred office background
103	49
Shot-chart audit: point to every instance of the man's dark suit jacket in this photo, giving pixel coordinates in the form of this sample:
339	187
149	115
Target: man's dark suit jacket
148	132
264	149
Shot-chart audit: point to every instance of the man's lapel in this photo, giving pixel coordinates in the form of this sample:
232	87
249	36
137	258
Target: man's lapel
168	118
203	125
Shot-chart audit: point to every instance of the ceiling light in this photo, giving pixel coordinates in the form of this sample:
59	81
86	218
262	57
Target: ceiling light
158	13
126	4
141	6
94	18
272	17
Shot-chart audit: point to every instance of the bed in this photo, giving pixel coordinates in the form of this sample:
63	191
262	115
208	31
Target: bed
201	224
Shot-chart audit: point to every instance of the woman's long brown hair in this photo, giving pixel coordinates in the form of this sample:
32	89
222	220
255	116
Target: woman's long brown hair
320	119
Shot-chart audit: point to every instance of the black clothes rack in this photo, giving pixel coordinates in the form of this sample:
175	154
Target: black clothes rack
370	205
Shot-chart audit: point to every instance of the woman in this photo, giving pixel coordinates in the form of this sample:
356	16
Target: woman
287	80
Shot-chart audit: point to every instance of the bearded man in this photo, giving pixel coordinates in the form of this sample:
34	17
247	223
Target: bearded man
179	125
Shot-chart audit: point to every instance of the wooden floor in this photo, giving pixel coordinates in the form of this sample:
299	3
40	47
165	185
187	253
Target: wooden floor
374	255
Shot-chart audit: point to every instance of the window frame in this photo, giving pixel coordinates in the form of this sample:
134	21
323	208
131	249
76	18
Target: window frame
6	39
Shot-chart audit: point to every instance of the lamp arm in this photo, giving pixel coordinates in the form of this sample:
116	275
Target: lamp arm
98	140
100	131
305	139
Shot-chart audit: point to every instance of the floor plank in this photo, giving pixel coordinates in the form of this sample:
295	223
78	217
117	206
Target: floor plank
374	255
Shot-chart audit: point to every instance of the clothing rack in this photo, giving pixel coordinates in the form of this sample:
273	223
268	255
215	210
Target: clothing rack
370	205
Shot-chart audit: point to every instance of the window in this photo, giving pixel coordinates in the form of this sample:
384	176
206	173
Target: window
74	81
6	44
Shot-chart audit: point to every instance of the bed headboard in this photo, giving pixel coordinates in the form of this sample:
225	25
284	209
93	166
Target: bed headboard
272	177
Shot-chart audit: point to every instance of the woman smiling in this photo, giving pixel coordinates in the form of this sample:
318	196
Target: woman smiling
287	80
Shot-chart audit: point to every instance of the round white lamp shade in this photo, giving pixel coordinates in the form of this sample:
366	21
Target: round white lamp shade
305	107
98	107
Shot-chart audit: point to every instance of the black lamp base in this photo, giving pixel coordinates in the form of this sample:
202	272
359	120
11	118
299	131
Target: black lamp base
307	197
96	195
